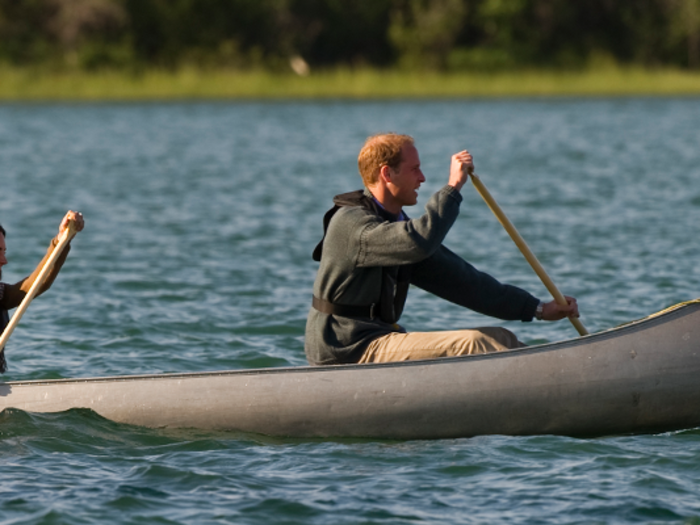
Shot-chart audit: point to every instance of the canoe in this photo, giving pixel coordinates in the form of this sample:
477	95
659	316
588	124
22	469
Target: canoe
642	377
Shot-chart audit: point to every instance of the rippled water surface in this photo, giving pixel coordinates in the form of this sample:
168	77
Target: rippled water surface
201	219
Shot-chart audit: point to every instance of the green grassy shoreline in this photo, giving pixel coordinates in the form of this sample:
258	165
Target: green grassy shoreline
33	85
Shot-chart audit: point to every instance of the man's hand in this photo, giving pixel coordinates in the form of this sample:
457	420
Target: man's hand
462	166
553	311
75	216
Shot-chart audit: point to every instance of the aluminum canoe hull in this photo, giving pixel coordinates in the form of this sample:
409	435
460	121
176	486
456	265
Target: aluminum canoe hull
639	378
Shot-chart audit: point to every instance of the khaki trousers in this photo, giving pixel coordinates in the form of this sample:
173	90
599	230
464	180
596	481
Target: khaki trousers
427	345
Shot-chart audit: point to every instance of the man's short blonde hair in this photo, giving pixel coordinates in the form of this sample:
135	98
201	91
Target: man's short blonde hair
381	150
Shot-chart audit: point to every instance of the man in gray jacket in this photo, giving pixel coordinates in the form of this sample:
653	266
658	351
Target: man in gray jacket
371	251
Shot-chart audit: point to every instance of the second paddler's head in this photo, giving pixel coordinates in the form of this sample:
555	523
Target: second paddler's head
390	168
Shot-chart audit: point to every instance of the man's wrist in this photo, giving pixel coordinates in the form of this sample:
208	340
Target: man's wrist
539	311
452	192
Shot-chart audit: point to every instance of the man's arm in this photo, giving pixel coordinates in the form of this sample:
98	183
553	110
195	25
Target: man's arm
370	241
450	277
15	293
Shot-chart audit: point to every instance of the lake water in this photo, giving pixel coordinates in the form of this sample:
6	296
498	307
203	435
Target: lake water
200	221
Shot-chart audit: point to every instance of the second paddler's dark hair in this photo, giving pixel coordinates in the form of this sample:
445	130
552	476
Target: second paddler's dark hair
2	230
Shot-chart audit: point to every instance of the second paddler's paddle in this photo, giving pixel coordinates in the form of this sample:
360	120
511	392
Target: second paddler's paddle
520	242
63	240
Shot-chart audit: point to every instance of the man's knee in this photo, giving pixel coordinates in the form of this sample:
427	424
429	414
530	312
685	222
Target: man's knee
502	336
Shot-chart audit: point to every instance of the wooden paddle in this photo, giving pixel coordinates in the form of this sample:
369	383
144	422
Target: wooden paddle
65	238
520	242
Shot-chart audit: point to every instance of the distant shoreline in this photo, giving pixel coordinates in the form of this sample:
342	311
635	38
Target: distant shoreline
20	84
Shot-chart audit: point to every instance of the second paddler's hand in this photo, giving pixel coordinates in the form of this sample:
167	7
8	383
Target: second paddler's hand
553	311
72	216
460	169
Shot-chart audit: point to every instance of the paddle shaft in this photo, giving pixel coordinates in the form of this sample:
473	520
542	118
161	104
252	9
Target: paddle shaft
65	238
522	245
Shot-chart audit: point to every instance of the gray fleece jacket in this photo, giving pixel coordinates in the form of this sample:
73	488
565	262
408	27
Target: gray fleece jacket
358	243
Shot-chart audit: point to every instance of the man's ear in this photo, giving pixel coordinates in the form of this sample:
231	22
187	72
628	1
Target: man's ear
385	174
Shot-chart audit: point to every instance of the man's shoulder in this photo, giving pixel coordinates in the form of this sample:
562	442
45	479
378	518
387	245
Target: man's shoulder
348	215
348	223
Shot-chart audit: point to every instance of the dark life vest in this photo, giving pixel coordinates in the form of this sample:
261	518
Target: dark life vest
395	279
4	320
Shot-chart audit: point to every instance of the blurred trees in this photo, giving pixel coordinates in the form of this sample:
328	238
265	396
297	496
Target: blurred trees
60	31
424	32
416	34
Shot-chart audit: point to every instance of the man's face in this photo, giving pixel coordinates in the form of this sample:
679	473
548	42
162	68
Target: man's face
3	249
407	177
